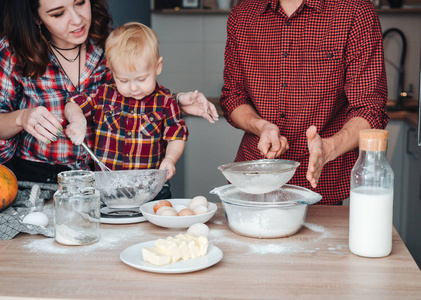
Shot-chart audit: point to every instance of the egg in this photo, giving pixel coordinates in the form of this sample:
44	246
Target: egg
169	212
179	207
200	209
160	204
198	229
162	209
36	218
198	200
186	212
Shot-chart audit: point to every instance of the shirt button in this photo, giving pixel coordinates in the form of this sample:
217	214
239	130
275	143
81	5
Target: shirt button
132	112
129	133
288	23
330	55
284	85
285	54
151	119
127	154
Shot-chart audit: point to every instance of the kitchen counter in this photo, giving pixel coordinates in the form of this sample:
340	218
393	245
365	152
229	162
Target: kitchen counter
314	263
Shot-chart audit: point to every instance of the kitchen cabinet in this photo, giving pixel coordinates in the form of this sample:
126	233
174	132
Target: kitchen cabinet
413	187
404	155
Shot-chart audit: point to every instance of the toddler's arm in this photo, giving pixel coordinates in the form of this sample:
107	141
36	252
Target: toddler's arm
174	151
76	130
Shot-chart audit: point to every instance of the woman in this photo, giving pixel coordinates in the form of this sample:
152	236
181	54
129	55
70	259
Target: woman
52	50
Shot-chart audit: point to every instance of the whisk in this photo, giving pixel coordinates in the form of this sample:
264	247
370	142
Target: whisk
102	166
125	191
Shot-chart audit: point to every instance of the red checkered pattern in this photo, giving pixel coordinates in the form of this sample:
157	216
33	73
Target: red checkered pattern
321	66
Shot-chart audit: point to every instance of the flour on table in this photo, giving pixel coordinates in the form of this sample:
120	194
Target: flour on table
272	246
110	239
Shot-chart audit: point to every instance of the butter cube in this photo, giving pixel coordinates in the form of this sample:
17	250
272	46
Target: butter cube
169	248
155	257
182	245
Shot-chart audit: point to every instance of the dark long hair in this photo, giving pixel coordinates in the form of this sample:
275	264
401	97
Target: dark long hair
30	47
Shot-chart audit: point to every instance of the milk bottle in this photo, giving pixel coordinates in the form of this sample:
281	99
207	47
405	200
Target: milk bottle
371	200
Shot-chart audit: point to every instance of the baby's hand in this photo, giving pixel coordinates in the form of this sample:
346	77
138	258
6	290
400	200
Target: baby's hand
169	165
76	131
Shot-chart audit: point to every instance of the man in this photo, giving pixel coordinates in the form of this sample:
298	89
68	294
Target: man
302	78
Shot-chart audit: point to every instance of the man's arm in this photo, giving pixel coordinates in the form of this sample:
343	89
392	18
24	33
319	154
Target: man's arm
271	143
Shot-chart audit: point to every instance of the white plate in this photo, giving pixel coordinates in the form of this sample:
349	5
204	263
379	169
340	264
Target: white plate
176	221
132	256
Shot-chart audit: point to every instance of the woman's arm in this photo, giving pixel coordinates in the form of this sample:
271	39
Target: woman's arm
39	122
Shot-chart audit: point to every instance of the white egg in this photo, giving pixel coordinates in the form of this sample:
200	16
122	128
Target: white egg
169	212
36	218
198	229
200	209
198	200
162	209
179	207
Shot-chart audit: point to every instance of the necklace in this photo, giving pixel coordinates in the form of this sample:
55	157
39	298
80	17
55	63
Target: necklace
78	74
69	60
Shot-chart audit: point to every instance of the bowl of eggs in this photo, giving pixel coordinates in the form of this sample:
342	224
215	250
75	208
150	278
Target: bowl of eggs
178	213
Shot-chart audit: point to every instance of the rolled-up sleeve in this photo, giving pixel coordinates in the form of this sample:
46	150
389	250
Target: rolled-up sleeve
366	85
233	91
175	127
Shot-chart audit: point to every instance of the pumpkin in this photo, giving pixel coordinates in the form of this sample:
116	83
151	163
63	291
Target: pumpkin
8	187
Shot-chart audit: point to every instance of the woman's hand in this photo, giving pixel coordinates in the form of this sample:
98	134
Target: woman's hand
195	103
42	124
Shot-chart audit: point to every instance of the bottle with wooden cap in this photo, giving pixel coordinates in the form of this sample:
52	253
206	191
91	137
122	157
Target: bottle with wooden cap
371	200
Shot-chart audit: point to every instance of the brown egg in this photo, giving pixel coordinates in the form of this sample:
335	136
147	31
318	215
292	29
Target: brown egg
185	212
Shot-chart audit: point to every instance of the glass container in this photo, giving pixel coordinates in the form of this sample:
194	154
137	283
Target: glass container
76	209
371	199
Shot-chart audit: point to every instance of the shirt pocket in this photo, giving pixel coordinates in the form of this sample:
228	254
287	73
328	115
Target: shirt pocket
112	116
322	67
151	124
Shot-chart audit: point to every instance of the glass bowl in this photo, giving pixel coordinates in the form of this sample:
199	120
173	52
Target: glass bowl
276	214
129	188
259	176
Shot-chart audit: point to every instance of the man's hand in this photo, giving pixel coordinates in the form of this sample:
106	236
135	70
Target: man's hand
271	143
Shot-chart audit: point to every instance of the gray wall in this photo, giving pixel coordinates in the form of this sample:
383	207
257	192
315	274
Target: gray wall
124	11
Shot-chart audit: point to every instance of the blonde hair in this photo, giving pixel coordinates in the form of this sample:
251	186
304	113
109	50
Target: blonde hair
128	42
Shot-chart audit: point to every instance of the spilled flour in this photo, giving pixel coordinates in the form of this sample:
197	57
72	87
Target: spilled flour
223	238
110	239
277	246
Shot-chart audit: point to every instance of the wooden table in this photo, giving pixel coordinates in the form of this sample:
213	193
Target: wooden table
314	263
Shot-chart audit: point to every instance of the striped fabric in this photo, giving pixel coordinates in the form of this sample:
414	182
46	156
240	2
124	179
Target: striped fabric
321	66
129	133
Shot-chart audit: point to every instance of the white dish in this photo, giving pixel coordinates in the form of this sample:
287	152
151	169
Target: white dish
132	256
176	221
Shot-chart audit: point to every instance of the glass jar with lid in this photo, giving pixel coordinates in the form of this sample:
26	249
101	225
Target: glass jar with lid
76	209
371	199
